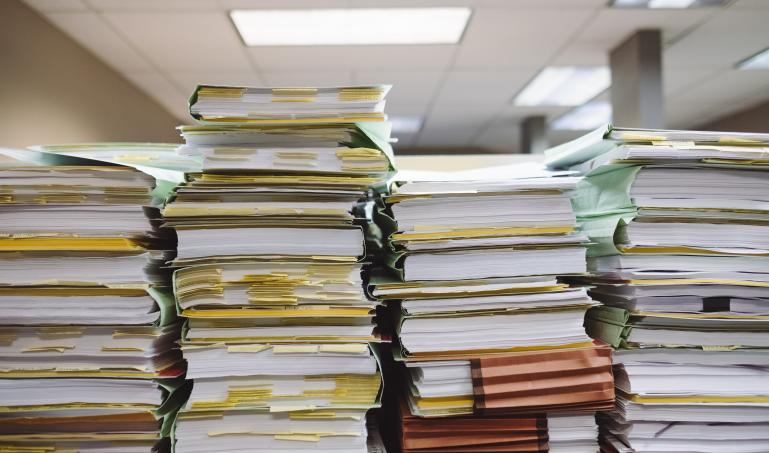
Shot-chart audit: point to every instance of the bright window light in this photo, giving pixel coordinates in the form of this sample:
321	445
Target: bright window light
405	124
565	85
757	61
585	117
355	26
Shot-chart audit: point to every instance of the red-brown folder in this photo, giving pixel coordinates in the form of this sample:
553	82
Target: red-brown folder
567	380
492	434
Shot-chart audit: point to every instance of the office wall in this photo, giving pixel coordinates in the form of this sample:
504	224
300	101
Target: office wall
54	91
753	119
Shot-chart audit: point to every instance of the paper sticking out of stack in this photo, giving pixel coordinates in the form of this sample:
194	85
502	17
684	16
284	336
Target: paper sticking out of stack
680	261
484	325
268	270
88	360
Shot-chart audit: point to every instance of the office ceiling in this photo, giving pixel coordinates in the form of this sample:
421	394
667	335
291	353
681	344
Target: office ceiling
462	91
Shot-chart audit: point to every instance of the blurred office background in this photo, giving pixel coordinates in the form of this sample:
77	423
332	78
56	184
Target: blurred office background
506	76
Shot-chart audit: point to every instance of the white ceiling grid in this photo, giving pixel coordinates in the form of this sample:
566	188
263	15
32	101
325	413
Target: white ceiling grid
462	91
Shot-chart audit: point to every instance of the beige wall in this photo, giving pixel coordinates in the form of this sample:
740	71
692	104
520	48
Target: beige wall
753	119
54	91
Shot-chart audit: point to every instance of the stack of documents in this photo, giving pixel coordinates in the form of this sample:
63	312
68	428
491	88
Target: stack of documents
269	263
484	326
680	226
88	354
228	105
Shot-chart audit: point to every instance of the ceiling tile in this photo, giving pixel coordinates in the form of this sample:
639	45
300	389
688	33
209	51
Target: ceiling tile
676	80
450	137
520	38
715	97
413	3
453	126
611	26
749	4
448	111
400	108
582	53
91	32
542	3
163	92
500	137
487	87
720	43
278	58
52	6
284	4
548	111
184	41
408	86
153	5
187	81
726	88
308	78
509	4
687	115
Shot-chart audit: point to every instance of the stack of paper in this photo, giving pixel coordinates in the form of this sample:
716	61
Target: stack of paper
228	105
484	326
88	358
269	268
680	226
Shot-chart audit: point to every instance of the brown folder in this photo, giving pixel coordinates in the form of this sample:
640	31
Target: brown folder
136	422
570	380
502	434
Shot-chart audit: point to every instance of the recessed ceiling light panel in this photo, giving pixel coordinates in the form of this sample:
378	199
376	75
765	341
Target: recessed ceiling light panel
405	124
757	61
666	4
350	26
564	85
584	118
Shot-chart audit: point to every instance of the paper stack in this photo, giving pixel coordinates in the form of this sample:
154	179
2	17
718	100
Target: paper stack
269	268
680	226
484	327
88	360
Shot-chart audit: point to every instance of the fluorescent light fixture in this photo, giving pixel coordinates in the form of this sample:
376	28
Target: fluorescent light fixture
353	26
405	124
757	61
670	4
565	85
586	117
666	4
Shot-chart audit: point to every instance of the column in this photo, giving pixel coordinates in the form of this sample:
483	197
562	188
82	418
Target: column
533	135
636	81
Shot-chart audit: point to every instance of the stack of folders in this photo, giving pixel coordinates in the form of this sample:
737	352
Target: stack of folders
88	359
485	330
270	255
680	226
